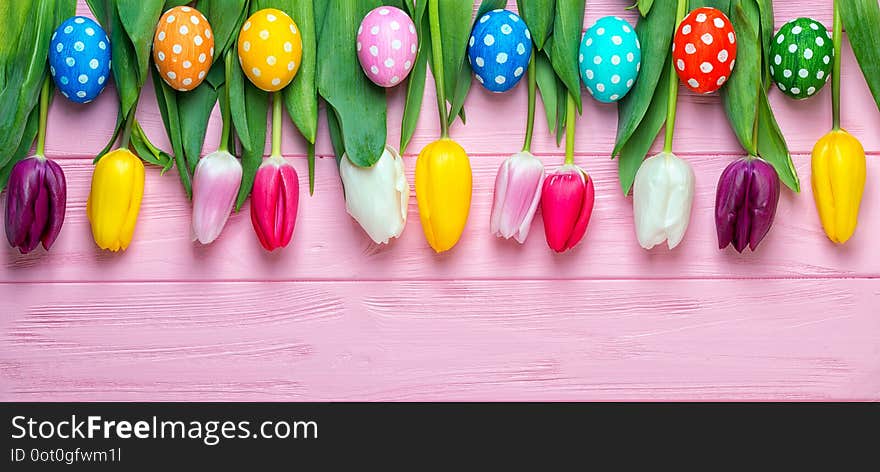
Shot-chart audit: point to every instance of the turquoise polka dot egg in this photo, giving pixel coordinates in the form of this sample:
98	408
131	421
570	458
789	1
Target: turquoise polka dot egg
79	59
499	50
610	59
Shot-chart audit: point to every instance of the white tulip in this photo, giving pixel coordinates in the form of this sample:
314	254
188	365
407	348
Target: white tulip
377	197
663	194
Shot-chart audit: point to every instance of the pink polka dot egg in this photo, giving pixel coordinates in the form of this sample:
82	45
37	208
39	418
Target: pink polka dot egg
386	45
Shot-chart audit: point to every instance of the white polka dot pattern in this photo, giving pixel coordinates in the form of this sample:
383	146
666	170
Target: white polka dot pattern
499	50
78	64
183	47
387	44
609	62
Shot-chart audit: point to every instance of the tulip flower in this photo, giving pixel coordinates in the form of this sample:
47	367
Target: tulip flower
567	204
115	199
838	179
275	202
663	193
517	194
35	203
377	197
745	203
443	191
215	188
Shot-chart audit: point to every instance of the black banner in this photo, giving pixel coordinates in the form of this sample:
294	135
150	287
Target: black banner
327	436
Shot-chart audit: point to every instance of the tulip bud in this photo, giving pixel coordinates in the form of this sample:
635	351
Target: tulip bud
838	179
443	191
517	194
115	199
567	204
215	188
275	202
35	203
377	197
745	203
663	193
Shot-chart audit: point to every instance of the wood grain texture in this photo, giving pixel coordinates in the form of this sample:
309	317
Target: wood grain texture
335	317
581	340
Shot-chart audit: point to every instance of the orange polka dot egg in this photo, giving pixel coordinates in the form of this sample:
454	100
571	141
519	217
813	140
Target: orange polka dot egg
270	49
183	48
704	50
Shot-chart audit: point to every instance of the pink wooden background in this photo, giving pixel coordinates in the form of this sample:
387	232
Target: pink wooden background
335	317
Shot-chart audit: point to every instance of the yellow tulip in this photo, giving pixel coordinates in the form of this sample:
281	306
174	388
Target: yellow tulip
838	183
443	190
115	199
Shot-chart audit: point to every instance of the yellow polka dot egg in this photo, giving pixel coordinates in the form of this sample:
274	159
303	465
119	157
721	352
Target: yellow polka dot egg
270	49
183	48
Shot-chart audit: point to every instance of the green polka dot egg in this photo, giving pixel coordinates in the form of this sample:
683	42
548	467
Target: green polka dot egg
801	58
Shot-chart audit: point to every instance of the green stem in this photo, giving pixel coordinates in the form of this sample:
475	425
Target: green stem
276	124
224	109
570	117
673	86
439	79
533	86
44	118
835	78
129	124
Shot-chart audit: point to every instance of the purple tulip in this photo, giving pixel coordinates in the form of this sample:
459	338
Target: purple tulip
35	203
745	203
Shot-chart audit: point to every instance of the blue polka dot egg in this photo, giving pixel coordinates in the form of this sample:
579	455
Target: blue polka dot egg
79	59
499	50
610	59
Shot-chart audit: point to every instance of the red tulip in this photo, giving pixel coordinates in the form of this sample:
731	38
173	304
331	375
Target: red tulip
274	203
567	204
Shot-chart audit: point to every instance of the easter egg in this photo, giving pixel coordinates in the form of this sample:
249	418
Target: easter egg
183	48
79	59
270	49
704	50
801	58
610	59
499	50
386	45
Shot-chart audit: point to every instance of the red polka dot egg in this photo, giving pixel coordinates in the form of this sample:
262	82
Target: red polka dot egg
704	50
183	48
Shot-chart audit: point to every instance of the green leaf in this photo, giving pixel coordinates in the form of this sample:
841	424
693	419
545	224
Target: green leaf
24	148
772	146
195	110
177	3
655	32
226	18
139	18
861	18
539	16
301	97
237	103
415	89
489	5
645	6
637	147
455	30
256	109
169	108
336	138
125	66
359	103
565	43
740	94
548	86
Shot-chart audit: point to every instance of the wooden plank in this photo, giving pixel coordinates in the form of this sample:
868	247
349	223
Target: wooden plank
702	126
455	340
328	244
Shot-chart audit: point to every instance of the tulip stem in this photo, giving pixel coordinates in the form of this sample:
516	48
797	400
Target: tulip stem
276	124
835	80
533	86
437	52
672	102
570	118
224	108
129	126
44	118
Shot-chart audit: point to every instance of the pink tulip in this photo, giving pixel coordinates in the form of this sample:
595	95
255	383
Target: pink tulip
567	204
215	188
517	194
274	203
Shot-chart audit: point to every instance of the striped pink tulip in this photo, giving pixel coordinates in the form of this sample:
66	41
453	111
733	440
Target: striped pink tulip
215	188
275	202
517	194
567	204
